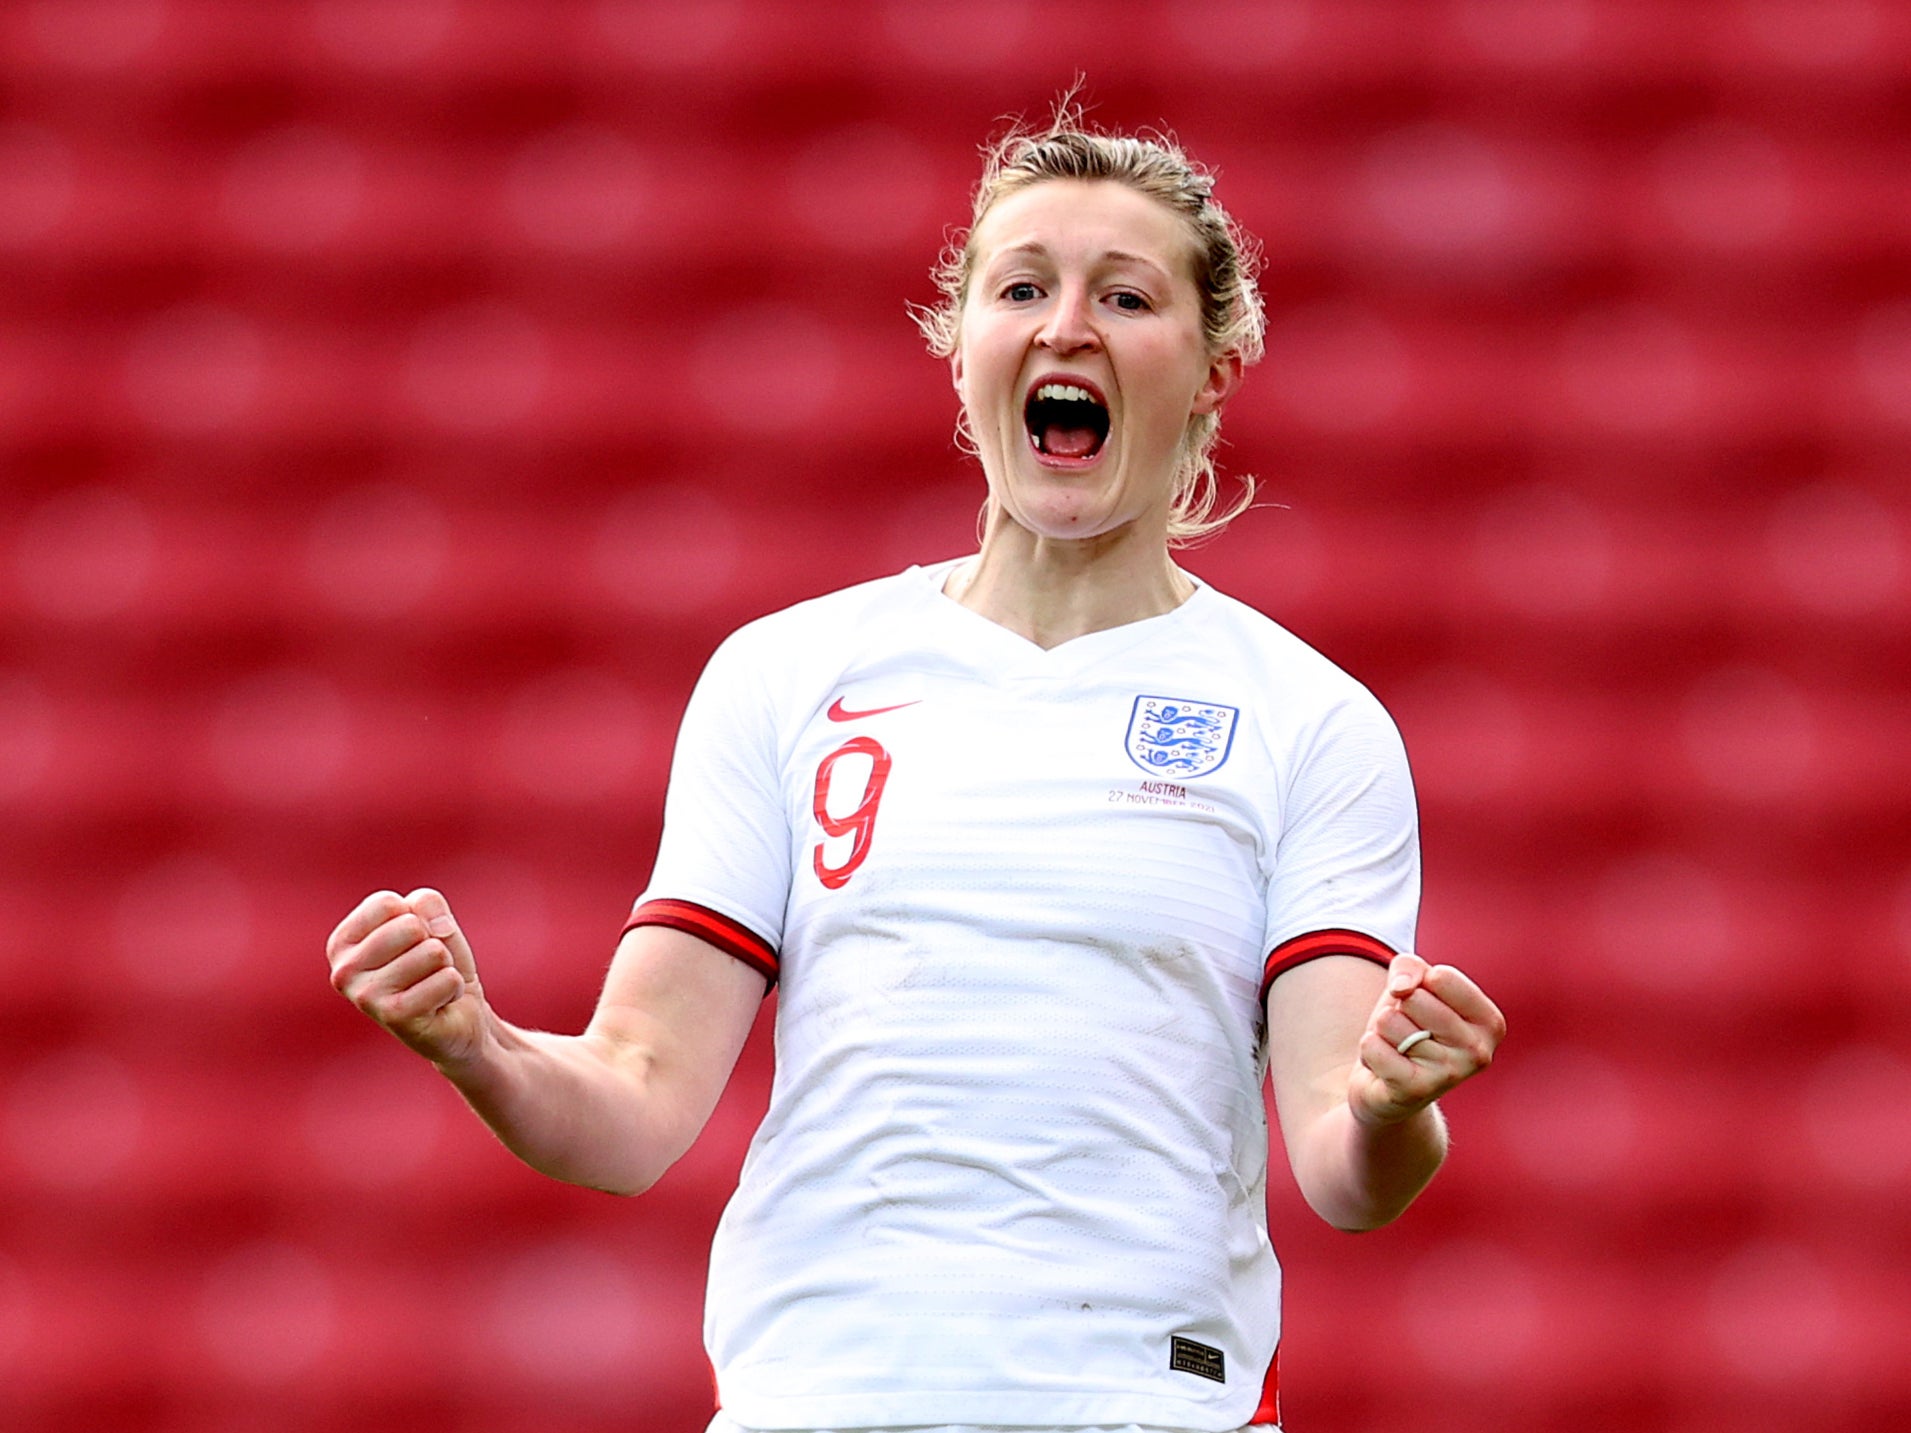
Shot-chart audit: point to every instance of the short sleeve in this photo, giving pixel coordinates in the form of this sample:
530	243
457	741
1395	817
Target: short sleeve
1346	878
723	864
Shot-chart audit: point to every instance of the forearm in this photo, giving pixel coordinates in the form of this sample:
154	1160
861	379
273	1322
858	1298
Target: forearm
575	1107
1360	1176
612	1108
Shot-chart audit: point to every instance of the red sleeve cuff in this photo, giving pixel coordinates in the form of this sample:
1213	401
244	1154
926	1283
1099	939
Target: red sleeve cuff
1315	944
719	930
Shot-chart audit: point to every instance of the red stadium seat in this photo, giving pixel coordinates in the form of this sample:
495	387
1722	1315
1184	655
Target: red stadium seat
399	399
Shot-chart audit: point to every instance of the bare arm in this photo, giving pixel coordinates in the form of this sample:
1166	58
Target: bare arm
1363	1133
611	1108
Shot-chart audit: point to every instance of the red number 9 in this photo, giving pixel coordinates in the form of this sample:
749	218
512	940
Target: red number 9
859	824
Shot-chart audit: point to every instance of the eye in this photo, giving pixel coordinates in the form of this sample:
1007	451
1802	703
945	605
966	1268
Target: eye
1129	301
1021	292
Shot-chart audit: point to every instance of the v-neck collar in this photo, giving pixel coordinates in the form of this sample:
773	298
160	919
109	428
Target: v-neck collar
1017	653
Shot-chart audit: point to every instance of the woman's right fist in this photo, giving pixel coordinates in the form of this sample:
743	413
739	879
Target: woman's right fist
404	962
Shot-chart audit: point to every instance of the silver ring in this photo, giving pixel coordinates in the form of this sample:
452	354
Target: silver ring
1406	1046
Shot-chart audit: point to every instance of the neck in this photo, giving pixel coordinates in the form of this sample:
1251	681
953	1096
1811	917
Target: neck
1052	590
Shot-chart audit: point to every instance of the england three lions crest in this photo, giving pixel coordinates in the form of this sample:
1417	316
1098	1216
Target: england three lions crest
1171	736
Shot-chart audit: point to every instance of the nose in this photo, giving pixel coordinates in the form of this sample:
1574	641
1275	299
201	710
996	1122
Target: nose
1069	327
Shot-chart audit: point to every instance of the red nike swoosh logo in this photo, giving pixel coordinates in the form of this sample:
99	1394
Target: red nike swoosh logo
838	712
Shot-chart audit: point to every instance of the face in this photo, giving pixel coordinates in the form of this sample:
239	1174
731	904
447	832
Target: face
1081	357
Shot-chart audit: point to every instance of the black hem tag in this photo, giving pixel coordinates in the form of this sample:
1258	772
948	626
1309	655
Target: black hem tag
1187	1356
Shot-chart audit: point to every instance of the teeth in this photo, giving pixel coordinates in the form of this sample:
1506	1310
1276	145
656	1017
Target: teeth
1065	393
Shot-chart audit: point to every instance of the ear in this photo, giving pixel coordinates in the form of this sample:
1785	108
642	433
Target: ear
955	369
1224	376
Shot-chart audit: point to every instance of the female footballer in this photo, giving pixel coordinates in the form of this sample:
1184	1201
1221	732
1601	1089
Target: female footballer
1056	852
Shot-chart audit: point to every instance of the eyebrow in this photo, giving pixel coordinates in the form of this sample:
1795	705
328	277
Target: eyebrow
1114	256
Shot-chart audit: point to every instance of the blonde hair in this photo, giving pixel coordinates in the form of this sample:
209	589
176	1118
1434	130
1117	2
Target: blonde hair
1225	260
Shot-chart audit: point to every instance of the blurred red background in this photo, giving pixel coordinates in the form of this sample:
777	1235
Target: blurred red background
400	398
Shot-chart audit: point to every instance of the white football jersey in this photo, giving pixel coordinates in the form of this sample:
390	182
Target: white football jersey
1023	906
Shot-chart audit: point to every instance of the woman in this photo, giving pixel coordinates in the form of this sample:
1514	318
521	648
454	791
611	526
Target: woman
1054	850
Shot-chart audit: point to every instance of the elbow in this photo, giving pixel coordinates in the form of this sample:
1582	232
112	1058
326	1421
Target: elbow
1351	1215
1375	1177
625	1166
624	1185
1361	1210
1360	1221
639	1175
636	1179
1355	1207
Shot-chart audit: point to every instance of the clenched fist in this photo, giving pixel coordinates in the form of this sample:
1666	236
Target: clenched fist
1432	1028
403	961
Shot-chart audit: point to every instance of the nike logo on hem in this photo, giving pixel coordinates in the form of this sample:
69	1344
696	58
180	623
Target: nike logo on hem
838	712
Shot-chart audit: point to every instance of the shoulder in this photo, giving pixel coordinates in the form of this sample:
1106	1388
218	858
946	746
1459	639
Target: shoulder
1314	721
1307	683
783	664
797	635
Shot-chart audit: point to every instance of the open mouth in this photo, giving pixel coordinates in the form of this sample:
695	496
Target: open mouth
1066	420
